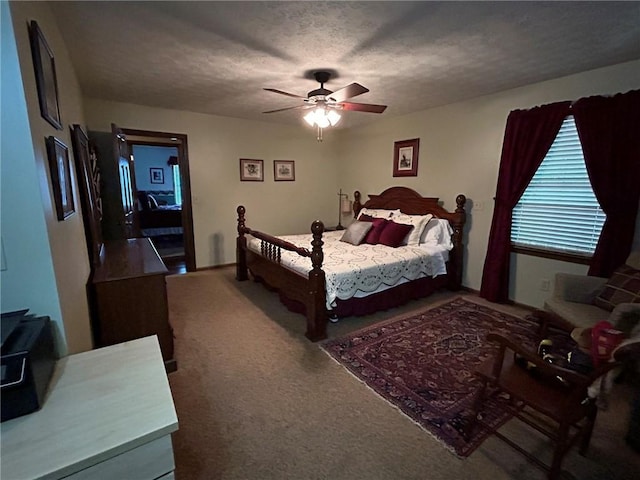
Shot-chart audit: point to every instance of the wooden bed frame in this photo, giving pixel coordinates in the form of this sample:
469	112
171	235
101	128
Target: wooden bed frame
307	294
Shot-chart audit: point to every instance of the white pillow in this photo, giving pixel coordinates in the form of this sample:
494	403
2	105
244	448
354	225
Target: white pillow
437	232
378	212
419	222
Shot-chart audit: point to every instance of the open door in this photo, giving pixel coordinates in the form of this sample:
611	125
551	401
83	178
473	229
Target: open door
119	206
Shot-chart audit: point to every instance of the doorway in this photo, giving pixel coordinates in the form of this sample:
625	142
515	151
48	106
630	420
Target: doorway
161	170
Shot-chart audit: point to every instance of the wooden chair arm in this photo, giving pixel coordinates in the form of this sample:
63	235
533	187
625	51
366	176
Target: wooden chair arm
548	320
546	368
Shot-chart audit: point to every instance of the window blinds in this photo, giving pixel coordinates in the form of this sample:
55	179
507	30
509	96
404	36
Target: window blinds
558	211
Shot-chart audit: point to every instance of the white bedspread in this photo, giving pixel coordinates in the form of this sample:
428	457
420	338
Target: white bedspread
364	269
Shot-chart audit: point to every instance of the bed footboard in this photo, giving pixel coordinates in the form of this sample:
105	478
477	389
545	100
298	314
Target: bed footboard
309	291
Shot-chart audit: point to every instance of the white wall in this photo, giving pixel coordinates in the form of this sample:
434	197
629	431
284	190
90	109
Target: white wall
27	276
215	146
66	240
460	146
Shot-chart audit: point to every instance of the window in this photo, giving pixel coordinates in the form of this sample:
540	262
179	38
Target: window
177	190
558	212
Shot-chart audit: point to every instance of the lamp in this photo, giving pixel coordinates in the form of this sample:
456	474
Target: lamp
344	206
321	117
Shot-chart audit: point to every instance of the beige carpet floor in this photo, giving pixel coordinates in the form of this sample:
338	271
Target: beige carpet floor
256	400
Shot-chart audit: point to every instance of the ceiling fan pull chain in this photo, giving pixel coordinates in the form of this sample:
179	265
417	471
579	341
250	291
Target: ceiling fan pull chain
319	137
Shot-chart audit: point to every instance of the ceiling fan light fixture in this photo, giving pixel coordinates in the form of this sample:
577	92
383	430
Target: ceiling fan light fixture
321	118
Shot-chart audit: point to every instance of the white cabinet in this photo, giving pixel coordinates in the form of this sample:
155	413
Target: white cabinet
108	414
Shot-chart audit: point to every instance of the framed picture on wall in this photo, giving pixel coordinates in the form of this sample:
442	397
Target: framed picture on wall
156	175
405	158
251	170
284	170
58	156
46	81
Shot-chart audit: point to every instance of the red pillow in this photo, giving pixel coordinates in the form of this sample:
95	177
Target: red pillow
394	233
365	218
374	234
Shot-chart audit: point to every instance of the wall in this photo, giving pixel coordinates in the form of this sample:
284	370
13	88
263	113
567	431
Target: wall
66	240
148	156
215	146
27	276
460	146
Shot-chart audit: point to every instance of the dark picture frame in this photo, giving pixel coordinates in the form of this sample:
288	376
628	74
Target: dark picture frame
405	158
251	170
60	169
284	170
46	81
156	175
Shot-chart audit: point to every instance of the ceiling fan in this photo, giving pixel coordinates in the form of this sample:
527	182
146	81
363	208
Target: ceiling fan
330	101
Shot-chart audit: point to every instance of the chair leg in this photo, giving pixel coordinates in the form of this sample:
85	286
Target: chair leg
469	429
559	452
588	430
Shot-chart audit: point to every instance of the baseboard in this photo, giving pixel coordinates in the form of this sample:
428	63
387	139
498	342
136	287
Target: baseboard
215	267
508	302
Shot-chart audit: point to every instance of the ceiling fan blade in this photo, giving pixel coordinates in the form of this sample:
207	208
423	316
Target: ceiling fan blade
349	91
288	108
283	93
362	107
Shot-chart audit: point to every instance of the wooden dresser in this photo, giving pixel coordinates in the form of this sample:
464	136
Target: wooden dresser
129	296
108	414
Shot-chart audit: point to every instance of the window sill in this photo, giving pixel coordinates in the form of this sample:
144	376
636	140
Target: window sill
553	255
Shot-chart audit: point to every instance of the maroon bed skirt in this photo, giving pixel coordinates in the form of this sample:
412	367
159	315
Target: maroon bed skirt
377	302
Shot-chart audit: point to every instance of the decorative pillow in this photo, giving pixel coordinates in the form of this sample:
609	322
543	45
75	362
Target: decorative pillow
419	222
394	233
378	212
378	225
437	232
622	287
355	233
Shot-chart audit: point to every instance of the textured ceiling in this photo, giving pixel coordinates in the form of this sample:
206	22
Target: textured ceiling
216	57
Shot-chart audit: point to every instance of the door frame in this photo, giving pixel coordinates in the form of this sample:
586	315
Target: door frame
178	140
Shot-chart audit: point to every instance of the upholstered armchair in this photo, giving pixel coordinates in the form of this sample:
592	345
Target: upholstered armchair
583	301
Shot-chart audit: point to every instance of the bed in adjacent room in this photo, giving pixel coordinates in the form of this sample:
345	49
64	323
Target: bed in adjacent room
400	247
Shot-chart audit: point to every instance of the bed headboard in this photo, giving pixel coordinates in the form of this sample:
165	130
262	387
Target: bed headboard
412	203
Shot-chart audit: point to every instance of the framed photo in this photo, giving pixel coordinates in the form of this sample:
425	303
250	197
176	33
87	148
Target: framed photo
156	175
284	170
251	170
46	81
405	158
58	155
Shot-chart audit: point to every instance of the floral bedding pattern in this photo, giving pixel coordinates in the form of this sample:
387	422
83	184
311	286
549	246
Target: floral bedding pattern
364	269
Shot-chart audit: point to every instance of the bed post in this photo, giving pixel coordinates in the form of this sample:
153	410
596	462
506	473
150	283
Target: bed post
241	247
455	279
357	206
316	305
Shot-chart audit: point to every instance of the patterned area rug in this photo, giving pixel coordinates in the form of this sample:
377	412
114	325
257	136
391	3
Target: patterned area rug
424	363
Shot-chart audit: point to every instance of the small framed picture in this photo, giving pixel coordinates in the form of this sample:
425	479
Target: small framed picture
156	175
251	170
58	156
405	158
284	170
46	82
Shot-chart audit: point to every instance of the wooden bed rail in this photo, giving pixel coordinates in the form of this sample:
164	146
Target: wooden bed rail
310	291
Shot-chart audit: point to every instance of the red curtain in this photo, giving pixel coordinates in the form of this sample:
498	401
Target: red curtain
528	136
609	130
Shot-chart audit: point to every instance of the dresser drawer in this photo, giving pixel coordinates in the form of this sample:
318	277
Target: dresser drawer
149	461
